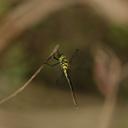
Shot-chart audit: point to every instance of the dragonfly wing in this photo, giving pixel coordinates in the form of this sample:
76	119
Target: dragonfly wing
73	55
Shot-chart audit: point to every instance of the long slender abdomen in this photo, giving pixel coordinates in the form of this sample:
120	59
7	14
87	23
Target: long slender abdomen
71	87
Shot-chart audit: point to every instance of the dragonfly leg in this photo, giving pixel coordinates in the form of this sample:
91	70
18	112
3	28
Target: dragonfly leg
54	57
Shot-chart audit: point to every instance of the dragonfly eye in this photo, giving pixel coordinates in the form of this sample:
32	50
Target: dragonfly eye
59	54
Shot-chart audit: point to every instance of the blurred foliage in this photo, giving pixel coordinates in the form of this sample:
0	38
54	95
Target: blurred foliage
7	6
4	5
13	69
74	27
117	39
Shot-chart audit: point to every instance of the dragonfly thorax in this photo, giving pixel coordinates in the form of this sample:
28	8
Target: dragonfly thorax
64	62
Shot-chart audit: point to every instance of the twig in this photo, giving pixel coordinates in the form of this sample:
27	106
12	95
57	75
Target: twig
107	72
31	78
108	109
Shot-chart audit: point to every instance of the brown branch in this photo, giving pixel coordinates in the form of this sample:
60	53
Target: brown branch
107	73
108	110
31	78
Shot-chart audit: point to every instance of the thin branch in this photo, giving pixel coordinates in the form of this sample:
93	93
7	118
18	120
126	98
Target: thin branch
107	73
108	109
31	78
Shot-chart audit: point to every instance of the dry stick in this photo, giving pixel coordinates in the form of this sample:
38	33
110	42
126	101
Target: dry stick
111	99
109	67
108	109
31	78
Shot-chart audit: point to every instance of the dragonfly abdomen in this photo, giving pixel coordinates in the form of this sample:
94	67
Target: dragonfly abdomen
64	63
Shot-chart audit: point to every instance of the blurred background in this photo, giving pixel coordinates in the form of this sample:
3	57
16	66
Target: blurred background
29	31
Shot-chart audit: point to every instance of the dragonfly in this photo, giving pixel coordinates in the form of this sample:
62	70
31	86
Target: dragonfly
64	63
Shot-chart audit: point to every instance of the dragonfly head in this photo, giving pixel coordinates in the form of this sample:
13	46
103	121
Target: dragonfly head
58	55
